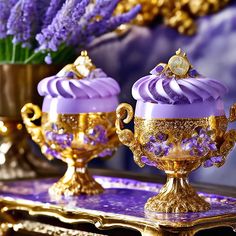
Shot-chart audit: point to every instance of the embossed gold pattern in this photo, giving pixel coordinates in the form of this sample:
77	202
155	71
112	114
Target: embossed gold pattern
176	195
179	14
46	229
73	138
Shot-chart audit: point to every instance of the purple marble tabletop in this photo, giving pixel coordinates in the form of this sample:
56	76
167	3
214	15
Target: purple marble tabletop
122	198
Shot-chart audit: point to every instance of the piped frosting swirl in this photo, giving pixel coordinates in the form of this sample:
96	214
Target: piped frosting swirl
79	81
170	84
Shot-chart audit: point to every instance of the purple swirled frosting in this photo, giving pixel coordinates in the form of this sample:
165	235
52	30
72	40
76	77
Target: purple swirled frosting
161	95
66	93
96	85
163	90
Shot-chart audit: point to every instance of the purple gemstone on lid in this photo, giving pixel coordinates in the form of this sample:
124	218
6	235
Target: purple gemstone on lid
70	74
192	73
157	70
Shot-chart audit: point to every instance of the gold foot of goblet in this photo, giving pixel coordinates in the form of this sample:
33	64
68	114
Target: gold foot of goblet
177	195
76	181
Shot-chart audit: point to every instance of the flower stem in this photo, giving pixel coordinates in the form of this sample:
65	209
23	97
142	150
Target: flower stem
26	54
8	48
13	56
31	58
2	50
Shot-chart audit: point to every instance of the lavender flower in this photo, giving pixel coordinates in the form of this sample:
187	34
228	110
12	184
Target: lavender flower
48	59
200	143
55	27
5	7
23	21
97	135
53	8
62	26
159	145
103	26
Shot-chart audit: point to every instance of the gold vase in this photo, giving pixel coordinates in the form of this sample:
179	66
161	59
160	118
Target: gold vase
17	86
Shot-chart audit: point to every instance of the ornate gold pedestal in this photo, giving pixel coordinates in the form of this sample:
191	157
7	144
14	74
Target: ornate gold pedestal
76	180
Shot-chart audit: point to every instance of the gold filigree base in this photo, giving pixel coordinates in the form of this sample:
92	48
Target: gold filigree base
76	181
177	196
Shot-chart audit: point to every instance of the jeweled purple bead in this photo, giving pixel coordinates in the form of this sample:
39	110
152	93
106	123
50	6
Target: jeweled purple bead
192	73
106	153
146	161
54	127
157	70
212	146
208	163
49	135
70	74
217	159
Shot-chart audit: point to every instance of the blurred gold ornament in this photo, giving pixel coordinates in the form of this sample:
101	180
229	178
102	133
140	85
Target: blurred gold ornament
81	67
179	14
148	13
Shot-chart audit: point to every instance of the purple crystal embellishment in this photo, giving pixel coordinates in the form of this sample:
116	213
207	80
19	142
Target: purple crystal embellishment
192	73
146	161
213	160
95	136
64	140
159	145
157	70
106	153
200	143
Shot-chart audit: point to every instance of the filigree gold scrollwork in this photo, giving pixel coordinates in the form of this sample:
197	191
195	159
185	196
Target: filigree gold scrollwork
30	113
232	113
124	113
227	139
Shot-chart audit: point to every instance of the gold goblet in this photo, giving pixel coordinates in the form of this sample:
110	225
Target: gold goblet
78	137
176	145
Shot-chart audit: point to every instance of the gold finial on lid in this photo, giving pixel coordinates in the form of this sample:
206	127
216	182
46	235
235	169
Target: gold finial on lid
84	64
179	64
81	67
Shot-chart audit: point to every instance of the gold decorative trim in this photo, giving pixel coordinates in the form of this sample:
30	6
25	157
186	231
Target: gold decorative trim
109	220
41	228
